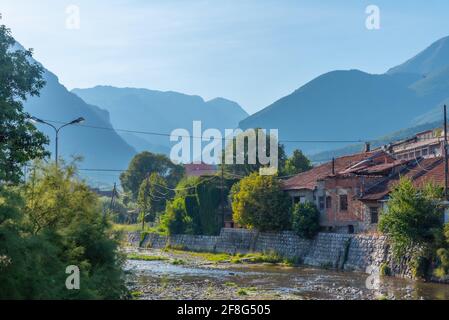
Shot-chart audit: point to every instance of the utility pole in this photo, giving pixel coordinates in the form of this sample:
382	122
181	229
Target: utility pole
222	197
145	203
445	156
111	206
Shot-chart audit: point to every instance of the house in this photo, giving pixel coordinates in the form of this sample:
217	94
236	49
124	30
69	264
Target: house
427	144
199	169
351	191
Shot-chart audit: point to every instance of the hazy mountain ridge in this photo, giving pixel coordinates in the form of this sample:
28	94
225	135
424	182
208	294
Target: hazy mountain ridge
353	105
100	148
160	112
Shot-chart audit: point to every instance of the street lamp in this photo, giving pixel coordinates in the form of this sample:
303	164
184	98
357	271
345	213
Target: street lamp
57	129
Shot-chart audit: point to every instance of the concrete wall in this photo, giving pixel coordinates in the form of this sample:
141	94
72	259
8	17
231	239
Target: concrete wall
342	251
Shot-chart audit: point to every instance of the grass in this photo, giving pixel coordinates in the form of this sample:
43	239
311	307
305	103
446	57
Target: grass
178	262
230	284
136	294
270	257
246	291
135	256
128	227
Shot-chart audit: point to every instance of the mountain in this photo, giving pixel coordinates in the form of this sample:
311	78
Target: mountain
100	148
433	58
160	112
354	105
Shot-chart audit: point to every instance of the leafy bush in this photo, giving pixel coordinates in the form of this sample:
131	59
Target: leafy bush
259	202
306	220
50	223
413	217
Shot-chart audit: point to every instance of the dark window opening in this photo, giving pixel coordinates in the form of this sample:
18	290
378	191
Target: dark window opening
374	214
328	202
296	200
343	202
351	229
425	152
321	203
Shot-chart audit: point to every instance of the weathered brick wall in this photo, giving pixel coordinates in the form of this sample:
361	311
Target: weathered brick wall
342	251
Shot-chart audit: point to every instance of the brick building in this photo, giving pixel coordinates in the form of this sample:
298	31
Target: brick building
351	191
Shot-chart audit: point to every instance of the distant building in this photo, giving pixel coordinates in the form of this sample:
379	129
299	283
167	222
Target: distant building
427	144
200	170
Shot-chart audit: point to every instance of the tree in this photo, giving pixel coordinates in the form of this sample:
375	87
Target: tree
413	216
259	202
297	163
19	78
306	220
145	164
50	223
152	197
247	168
176	220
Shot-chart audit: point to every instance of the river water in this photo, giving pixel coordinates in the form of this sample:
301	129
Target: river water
164	280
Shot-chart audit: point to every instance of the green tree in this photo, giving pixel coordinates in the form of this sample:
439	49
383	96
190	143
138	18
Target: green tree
297	163
152	197
413	216
245	169
259	202
306	220
145	164
19	78
176	220
50	223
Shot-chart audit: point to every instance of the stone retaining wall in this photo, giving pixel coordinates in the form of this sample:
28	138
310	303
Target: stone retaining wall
342	251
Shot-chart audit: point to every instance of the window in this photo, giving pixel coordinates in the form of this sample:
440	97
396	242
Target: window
343	202
296	200
425	152
418	153
321	202
328	202
374	214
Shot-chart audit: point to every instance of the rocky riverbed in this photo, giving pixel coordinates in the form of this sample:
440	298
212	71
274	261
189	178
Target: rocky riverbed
158	274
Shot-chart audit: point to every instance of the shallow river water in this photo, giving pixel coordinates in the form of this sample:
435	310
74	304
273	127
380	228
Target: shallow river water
163	280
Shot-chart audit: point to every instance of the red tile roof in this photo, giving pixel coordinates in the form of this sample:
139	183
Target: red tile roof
420	171
309	179
200	169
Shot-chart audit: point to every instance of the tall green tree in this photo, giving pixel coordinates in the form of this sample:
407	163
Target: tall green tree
259	202
19	78
246	168
296	163
145	164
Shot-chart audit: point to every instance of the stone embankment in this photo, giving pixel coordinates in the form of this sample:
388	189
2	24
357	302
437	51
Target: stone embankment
366	253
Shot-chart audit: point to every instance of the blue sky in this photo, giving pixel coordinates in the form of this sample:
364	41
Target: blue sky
252	52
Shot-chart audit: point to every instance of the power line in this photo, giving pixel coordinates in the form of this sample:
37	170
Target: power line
196	137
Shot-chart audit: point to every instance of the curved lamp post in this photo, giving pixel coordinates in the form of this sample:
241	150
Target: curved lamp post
57	129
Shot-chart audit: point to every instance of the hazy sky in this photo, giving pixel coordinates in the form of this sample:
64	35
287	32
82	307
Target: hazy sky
252	52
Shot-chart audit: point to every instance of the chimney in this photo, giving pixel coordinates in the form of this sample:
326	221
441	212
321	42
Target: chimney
367	147
333	166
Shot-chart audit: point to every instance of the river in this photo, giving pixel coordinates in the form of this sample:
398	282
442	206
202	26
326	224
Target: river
170	280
